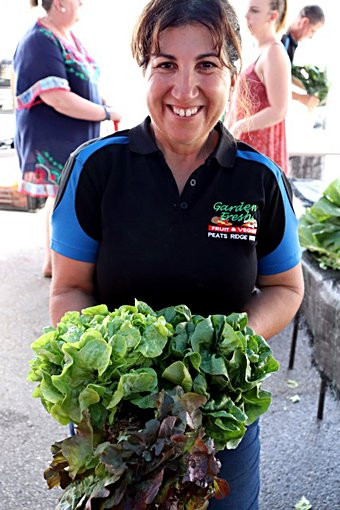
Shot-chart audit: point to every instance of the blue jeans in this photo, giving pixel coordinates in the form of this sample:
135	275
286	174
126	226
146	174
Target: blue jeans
241	469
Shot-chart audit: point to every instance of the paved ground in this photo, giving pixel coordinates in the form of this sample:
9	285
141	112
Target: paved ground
300	457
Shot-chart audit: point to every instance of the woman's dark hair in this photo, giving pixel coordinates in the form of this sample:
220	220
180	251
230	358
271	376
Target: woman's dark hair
46	4
217	15
314	13
281	7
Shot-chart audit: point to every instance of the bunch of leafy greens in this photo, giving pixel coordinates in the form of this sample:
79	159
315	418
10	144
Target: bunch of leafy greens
314	80
164	462
319	228
108	371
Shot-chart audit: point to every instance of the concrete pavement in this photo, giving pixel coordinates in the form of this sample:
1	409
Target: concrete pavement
300	457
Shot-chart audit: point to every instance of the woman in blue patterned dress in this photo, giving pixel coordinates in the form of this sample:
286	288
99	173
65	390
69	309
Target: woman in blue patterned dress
58	106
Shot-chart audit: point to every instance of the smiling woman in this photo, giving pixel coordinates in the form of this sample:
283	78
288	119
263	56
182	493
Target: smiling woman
187	88
189	70
136	215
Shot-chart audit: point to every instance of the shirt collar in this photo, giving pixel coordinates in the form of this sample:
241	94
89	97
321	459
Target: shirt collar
143	142
225	152
292	40
141	138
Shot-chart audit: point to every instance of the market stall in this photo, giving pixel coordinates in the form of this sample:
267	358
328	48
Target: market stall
320	234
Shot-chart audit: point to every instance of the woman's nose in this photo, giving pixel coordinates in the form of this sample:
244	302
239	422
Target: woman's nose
186	85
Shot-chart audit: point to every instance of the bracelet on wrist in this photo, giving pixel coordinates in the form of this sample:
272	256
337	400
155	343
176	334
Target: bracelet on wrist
107	112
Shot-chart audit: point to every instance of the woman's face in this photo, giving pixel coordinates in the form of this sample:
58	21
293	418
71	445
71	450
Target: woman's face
258	16
187	87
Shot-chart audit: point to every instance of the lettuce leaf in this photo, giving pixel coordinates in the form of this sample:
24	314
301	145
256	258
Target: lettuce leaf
319	228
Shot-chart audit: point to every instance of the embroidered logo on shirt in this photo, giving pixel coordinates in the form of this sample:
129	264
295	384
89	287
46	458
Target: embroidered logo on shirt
235	222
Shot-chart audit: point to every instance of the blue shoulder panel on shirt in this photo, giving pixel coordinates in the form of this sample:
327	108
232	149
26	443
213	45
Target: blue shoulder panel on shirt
68	237
288	253
286	43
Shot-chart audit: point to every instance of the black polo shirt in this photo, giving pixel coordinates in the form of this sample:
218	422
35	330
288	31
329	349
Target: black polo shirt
290	44
119	207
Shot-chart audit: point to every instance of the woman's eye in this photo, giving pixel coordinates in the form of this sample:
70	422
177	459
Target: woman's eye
207	65
165	65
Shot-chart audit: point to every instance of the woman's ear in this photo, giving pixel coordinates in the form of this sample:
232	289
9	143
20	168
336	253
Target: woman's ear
58	5
232	86
273	16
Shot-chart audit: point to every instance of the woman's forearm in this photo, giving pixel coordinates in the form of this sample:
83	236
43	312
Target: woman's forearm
68	300
265	118
271	309
276	301
71	104
72	286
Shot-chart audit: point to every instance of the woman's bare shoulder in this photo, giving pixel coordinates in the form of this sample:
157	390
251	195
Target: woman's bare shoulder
275	56
277	50
273	59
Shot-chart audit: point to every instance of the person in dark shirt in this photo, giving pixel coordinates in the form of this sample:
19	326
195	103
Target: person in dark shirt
175	210
309	20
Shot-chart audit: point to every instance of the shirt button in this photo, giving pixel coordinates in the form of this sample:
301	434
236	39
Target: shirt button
193	182
184	205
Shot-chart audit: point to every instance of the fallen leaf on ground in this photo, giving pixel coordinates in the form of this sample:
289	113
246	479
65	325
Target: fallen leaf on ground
292	384
294	399
303	504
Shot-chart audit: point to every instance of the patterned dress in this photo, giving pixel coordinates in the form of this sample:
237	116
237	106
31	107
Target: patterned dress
45	138
271	141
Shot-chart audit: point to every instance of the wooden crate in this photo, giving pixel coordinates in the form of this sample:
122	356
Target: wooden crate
10	175
10	198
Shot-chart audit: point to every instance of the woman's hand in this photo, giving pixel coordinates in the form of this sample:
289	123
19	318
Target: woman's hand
114	116
238	128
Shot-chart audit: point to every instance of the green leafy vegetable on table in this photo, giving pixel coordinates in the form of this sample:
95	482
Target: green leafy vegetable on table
319	228
153	396
314	80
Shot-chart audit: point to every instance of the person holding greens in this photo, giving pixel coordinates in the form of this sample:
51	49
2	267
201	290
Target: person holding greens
309	20
175	210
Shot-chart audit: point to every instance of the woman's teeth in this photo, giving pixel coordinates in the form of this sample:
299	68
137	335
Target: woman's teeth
187	112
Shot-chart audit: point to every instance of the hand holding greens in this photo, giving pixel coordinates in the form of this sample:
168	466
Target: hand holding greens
148	392
314	80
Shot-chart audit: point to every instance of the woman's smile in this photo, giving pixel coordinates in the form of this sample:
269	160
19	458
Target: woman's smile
185	112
